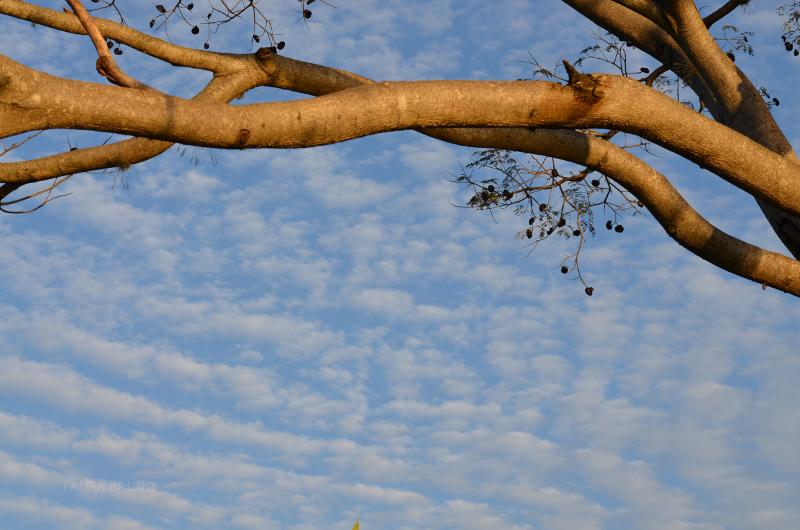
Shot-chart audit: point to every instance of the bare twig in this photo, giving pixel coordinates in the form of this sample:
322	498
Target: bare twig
19	144
6	189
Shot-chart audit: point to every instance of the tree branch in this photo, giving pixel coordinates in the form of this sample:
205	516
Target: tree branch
675	215
118	154
173	54
670	209
106	66
740	105
630	26
752	118
714	66
723	11
50	102
266	68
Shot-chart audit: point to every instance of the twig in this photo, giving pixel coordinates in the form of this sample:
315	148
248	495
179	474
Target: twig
6	189
19	144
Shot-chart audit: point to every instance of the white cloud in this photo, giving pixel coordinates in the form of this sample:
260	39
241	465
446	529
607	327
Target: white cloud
291	339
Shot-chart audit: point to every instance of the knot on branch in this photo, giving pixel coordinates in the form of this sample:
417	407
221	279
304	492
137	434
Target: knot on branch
584	82
267	53
242	137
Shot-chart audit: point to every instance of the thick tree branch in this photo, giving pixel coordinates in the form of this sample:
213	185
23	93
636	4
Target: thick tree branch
679	220
266	68
739	104
752	119
118	154
718	71
591	105
670	209
49	102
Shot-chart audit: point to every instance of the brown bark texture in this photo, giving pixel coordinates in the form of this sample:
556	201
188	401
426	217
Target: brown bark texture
737	141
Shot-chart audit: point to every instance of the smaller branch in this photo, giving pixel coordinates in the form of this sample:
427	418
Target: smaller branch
22	142
118	154
679	220
48	190
173	54
105	63
723	12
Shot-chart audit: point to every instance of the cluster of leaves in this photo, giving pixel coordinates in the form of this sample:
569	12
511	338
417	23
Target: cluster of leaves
791	27
216	13
216	16
735	40
560	202
555	204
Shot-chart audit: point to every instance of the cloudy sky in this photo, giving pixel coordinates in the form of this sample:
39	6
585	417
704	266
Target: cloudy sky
292	340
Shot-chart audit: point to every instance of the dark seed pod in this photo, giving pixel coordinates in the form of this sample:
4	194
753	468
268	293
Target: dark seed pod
161	9
589	291
507	195
281	45
529	233
531	220
205	45
543	207
306	13
255	37
576	232
609	225
619	229
644	70
595	183
490	188
117	51
561	222
190	6
195	30
564	270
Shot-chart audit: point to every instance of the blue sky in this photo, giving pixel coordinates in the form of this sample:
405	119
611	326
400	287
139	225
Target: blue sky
293	339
